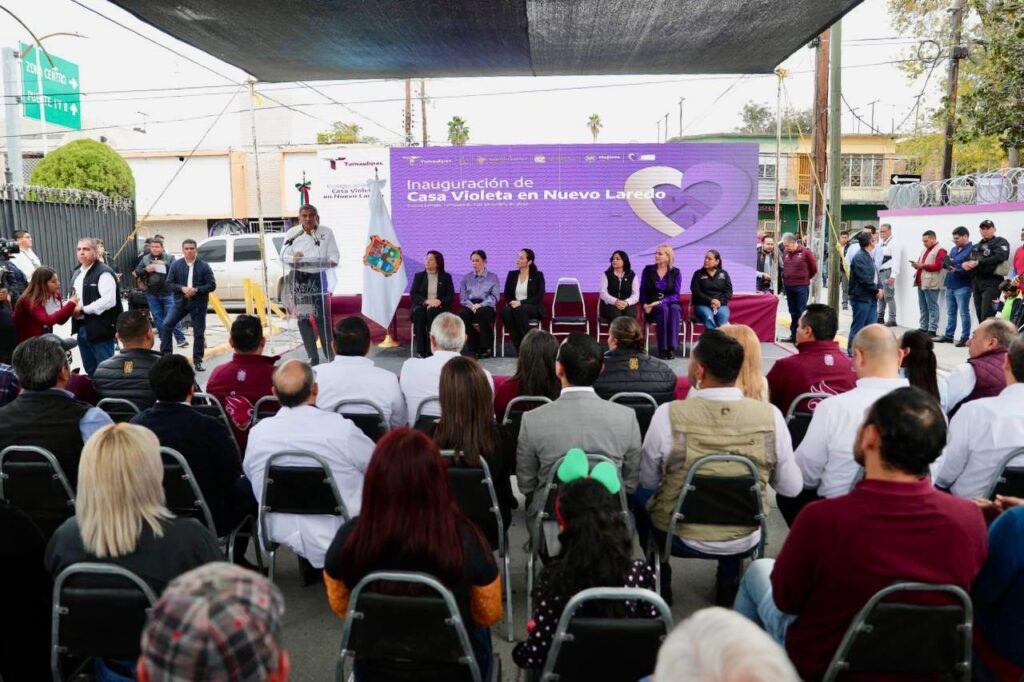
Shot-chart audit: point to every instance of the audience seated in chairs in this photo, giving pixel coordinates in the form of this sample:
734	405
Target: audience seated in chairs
420	377
894	526
685	431
353	376
467	426
126	374
122	462
431	293
984	432
203	441
819	366
244	379
46	414
751	380
919	364
409	522
982	375
301	426
596	551
578	419
25	592
825	455
216	622
719	645
997	594
535	371
628	369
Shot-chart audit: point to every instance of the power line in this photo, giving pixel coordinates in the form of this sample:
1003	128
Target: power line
348	108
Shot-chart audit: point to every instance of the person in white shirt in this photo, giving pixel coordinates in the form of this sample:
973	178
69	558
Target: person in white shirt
26	259
985	350
95	320
888	271
421	377
353	376
984	433
825	455
311	252
301	426
683	432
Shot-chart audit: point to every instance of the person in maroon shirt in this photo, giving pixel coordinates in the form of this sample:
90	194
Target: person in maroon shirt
893	526
819	366
246	378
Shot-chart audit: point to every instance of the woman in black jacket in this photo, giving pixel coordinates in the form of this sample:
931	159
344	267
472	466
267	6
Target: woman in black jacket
627	368
524	297
432	293
710	291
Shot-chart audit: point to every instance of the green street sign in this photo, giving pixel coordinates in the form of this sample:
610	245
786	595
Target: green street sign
60	96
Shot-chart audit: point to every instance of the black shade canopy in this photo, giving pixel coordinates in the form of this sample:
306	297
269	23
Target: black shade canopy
288	40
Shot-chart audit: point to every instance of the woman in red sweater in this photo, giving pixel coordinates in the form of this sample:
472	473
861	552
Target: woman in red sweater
41	307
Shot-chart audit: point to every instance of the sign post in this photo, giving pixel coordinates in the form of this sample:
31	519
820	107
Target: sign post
903	179
51	91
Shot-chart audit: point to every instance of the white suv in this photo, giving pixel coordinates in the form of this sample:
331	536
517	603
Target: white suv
237	257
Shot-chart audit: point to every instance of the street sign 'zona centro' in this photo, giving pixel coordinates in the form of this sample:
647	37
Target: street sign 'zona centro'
61	88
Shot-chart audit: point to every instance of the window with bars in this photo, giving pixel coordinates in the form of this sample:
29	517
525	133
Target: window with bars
861	170
766	171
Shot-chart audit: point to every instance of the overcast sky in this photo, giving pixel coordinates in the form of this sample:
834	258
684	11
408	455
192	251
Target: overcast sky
113	60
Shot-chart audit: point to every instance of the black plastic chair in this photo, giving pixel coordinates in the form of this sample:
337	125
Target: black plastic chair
370	419
421	638
473	490
1009	480
643	404
207	404
99	611
532	323
580	644
649	324
119	409
296	489
32	479
798	420
568	293
513	419
425	422
715	499
896	638
267	406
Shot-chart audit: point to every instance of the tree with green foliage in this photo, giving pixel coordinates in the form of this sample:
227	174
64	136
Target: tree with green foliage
345	133
758	118
595	125
923	153
458	131
86	164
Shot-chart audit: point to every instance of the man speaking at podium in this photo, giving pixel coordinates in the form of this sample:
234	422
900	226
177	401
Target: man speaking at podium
309	254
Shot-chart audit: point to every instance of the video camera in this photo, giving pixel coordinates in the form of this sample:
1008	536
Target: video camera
8	247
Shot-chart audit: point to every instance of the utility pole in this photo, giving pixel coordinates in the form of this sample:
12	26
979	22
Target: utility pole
666	126
681	100
872	105
423	108
819	143
835	174
658	122
956	53
14	171
780	74
408	112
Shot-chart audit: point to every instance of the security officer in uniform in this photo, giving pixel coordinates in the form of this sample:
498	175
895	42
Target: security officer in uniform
988	264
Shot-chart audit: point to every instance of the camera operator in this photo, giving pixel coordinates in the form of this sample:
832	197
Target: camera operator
12	284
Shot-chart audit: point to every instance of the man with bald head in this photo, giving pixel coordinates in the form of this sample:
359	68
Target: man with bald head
301	426
982	375
825	455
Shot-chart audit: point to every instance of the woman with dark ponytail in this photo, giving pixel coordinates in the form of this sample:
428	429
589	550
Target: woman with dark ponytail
919	365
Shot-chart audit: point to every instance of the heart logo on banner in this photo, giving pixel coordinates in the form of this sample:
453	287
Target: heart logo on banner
645	180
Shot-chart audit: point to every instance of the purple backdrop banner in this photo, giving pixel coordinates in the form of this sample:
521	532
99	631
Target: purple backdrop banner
575	204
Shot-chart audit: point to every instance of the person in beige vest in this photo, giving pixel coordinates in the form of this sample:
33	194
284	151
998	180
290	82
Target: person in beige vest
714	419
928	279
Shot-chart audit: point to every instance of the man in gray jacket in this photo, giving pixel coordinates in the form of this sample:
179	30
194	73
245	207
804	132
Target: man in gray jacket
578	419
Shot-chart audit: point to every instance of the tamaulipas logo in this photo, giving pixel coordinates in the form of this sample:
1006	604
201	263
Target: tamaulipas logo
382	256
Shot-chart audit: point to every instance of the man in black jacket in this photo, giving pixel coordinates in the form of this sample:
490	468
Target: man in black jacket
865	288
987	270
126	375
152	273
191	281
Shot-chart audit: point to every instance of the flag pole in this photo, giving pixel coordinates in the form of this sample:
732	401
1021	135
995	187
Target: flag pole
388	341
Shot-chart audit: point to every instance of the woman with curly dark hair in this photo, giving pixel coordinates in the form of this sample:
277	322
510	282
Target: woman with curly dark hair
919	364
596	552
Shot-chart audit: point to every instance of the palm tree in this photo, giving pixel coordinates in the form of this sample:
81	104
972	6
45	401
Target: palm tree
595	125
458	131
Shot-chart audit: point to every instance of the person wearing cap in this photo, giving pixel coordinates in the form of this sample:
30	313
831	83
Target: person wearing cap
216	622
988	265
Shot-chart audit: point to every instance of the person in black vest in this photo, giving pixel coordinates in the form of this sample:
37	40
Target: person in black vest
627	368
191	280
126	375
432	293
204	442
46	414
151	272
620	289
524	297
95	319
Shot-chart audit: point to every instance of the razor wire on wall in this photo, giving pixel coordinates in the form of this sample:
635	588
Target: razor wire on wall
991	187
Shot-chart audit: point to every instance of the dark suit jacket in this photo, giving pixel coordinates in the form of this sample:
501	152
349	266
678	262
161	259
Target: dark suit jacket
207	447
445	289
202	280
534	288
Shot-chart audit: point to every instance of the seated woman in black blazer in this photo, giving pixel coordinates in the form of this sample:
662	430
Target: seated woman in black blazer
524	297
432	293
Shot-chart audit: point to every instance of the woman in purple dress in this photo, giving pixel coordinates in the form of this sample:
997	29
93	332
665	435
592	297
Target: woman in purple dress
659	294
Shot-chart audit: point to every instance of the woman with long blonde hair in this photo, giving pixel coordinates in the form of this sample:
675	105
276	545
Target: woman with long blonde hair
751	379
